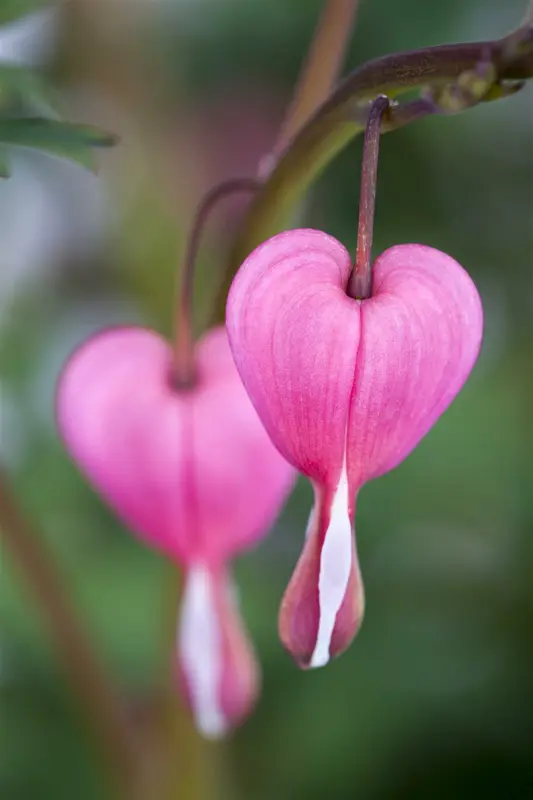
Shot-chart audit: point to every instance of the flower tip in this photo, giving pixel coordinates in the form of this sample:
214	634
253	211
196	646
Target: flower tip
216	665
323	606
310	661
347	626
319	658
213	727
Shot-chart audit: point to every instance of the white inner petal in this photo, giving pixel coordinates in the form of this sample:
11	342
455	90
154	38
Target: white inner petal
200	646
334	574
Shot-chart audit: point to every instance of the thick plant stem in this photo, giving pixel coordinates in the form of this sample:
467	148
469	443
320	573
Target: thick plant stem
184	375
93	690
321	68
360	283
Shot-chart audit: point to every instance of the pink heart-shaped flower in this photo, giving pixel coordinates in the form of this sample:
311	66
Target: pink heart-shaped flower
192	472
346	389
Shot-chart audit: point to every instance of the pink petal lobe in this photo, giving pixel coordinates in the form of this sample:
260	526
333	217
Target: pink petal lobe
294	335
193	472
216	667
421	334
323	605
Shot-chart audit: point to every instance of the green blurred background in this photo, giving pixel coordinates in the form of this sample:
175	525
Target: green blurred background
435	697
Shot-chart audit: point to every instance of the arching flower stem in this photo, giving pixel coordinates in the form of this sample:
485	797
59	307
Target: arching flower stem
184	376
360	283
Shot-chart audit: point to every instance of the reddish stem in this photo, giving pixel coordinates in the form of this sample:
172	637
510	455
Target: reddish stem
360	283
184	373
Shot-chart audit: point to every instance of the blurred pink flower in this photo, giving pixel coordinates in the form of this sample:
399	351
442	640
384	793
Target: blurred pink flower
346	389
195	475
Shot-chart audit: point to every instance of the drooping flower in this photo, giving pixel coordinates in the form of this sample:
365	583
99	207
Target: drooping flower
194	474
346	388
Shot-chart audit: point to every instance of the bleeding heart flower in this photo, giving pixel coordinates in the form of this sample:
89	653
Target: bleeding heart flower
194	474
346	389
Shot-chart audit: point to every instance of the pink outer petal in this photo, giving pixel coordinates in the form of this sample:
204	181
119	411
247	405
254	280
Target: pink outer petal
330	374
421	334
193	473
294	335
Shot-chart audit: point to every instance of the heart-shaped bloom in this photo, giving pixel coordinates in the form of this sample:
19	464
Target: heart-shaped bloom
194	474
346	389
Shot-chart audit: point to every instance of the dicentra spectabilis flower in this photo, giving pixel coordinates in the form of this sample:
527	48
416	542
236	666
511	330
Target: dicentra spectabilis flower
194	474
346	388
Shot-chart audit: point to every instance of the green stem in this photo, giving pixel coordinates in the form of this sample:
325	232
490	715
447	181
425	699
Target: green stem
320	70
96	696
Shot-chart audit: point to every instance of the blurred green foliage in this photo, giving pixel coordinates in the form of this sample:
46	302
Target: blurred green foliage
63	139
435	697
24	87
25	91
14	9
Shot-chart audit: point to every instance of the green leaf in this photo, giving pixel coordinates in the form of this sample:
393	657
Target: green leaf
13	9
25	87
63	139
5	168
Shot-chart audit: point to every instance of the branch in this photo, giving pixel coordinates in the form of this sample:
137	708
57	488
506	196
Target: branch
343	116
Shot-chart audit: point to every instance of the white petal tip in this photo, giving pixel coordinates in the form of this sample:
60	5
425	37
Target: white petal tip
318	660
213	727
200	647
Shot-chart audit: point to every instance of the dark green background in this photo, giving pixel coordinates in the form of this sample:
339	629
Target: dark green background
435	697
